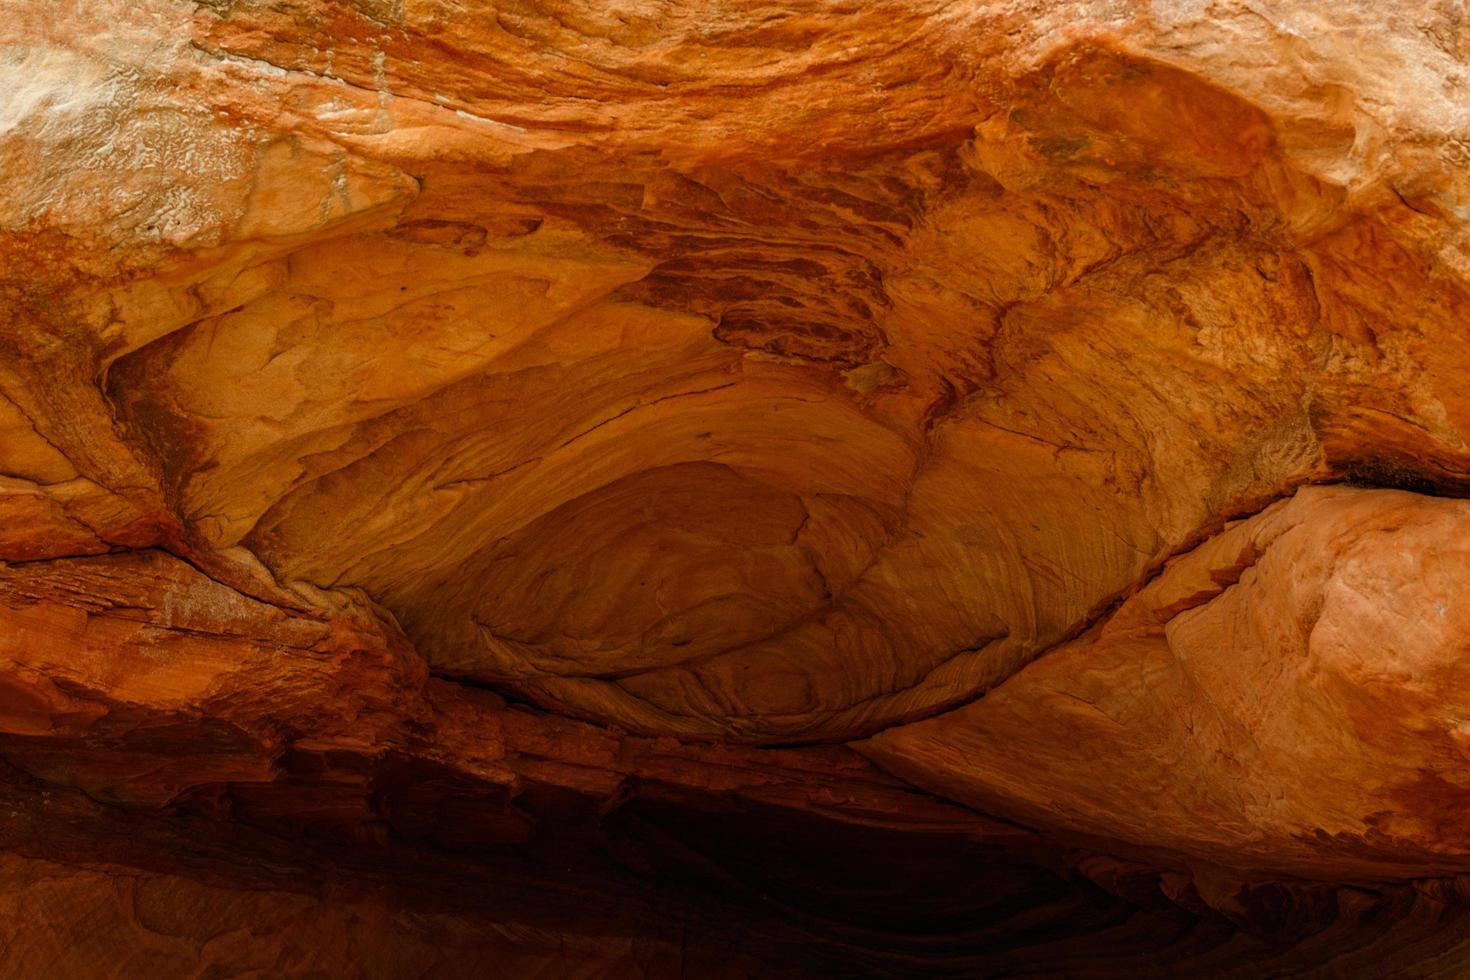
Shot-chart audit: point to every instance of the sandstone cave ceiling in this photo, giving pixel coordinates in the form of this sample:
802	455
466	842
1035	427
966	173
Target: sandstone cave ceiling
734	488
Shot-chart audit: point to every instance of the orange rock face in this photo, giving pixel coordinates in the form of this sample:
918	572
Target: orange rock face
754	488
1286	696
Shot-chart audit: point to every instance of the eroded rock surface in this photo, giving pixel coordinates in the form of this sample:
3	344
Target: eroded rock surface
1289	695
1018	439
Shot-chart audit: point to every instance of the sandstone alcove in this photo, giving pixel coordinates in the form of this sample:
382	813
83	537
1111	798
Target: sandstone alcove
742	489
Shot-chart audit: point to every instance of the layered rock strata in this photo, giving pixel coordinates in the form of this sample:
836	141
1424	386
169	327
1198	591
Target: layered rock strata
779	488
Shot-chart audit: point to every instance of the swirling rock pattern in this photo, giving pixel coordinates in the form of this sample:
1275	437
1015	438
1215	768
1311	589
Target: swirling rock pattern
463	433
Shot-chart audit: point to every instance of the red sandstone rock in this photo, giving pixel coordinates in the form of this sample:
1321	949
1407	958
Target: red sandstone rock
1286	697
465	433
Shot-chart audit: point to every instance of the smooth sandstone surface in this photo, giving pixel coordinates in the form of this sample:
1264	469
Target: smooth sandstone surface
1289	694
1018	444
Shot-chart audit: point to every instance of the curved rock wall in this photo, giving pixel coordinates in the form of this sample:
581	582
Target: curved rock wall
484	425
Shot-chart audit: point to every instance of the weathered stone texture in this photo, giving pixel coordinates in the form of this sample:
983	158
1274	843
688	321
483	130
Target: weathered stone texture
1023	438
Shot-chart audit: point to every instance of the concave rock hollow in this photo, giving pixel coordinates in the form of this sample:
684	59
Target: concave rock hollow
875	488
